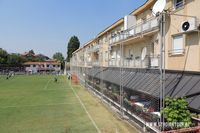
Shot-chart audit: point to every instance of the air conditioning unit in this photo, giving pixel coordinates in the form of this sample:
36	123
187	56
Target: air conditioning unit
189	25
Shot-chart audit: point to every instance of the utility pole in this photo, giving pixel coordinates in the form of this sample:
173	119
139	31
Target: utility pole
162	66
121	80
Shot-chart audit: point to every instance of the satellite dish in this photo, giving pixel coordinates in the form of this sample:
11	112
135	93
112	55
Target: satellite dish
158	7
144	53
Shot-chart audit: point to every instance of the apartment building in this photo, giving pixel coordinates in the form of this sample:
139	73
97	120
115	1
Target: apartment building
124	59
182	45
138	35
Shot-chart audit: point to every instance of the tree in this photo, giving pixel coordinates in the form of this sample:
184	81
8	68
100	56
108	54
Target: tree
29	56
59	57
3	56
176	112
14	60
73	45
41	57
31	52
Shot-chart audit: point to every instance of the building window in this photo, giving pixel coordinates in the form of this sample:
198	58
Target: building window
34	65
54	65
177	46
178	3
47	65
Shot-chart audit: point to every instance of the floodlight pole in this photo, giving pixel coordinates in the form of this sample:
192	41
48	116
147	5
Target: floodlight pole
92	67
162	58
120	93
101	70
121	80
85	77
77	67
162	66
70	71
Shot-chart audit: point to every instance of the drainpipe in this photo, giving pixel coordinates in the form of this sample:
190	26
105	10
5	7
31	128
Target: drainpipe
199	44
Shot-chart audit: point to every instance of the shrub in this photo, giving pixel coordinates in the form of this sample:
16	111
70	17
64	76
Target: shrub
176	112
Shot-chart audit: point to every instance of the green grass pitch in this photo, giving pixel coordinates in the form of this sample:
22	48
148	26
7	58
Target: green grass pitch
36	104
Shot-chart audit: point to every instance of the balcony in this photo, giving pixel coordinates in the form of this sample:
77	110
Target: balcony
73	63
115	62
92	63
95	48
96	63
137	30
81	63
148	62
88	63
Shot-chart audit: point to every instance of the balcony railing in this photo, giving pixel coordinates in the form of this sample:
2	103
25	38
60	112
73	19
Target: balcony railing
136	30
176	52
96	63
94	48
92	63
115	62
88	63
81	63
148	62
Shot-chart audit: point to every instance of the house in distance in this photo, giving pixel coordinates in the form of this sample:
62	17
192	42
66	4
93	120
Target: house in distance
49	66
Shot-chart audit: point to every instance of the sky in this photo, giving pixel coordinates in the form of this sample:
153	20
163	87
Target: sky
47	25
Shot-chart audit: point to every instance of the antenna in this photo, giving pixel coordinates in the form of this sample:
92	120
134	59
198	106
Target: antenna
158	7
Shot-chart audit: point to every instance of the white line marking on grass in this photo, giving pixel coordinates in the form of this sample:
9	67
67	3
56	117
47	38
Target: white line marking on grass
38	105
46	85
90	117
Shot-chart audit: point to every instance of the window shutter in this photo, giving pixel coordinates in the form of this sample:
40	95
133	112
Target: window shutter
177	45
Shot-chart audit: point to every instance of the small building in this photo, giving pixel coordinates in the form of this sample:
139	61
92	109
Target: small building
51	66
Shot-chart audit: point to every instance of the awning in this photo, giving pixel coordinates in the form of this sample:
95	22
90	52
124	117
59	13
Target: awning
177	84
